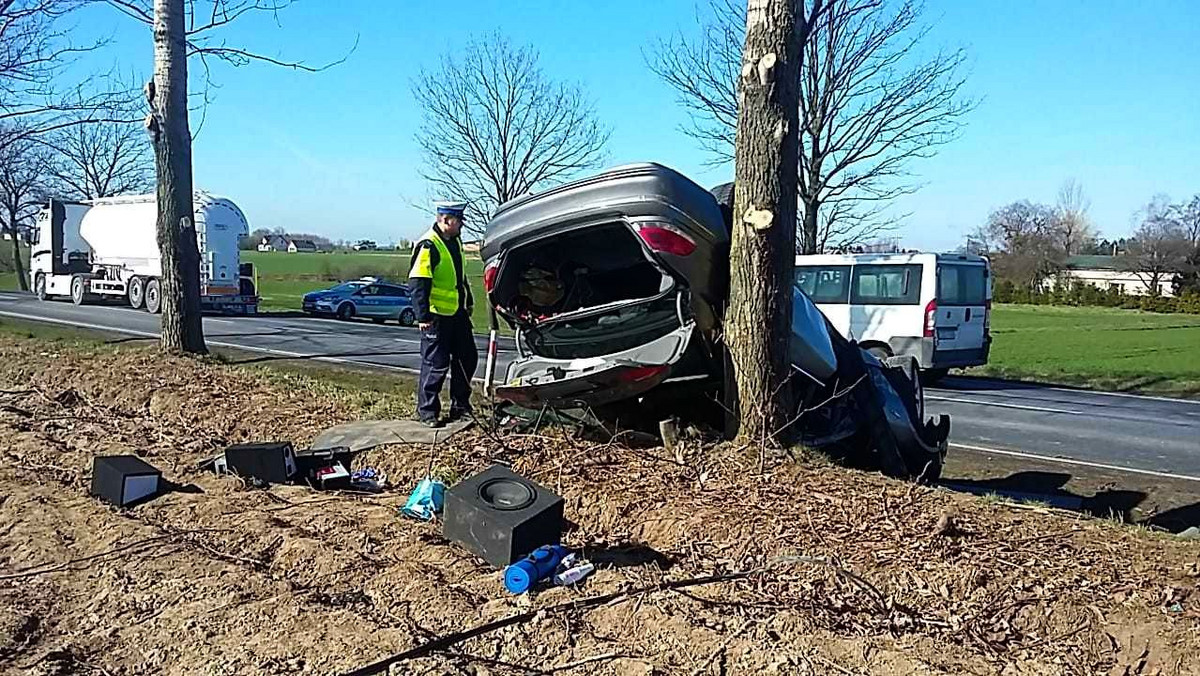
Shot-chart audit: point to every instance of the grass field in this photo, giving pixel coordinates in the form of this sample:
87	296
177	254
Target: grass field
1103	348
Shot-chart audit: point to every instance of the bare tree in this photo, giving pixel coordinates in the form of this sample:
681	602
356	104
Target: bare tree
869	106
102	159
763	251
1024	240
182	30
23	166
1187	215
1160	246
495	127
1074	227
35	52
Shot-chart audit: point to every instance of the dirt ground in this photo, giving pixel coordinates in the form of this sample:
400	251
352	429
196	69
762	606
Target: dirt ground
801	568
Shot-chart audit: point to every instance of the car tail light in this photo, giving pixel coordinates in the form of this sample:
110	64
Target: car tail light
640	373
931	318
663	238
490	272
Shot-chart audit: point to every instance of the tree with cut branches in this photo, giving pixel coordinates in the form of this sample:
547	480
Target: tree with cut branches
495	127
182	30
23	177
870	104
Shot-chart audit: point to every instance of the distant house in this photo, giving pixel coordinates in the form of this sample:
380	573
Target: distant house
301	246
365	245
273	243
1105	272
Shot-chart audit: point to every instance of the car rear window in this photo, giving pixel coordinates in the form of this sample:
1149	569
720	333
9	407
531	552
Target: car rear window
824	283
886	285
962	285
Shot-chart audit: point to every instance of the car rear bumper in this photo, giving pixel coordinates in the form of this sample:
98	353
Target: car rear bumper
929	356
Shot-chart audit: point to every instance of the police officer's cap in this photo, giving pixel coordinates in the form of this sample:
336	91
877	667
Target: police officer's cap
450	208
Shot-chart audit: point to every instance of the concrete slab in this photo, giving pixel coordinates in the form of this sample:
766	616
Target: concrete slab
367	434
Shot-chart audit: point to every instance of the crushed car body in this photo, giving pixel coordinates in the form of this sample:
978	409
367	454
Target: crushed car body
615	286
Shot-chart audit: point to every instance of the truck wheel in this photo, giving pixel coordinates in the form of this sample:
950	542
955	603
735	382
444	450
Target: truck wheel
153	297
137	292
408	317
77	293
39	286
345	311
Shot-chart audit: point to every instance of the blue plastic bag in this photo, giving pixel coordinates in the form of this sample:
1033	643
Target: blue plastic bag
426	499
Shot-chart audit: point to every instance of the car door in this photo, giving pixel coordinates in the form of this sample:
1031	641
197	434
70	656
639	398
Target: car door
962	306
885	302
392	299
367	301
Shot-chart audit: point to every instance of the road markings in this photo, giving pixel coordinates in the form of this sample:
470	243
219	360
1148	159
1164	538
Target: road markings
1072	461
1021	407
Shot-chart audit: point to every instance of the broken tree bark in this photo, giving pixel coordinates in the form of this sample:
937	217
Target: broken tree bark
763	251
167	123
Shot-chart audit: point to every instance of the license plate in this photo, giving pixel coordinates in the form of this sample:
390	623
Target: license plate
947	333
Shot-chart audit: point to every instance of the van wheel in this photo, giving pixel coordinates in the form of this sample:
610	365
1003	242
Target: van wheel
136	292
153	297
39	286
77	294
345	311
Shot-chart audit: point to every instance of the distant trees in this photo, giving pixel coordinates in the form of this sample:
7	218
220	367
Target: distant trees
102	159
23	190
1074	228
1025	240
1161	245
496	127
872	101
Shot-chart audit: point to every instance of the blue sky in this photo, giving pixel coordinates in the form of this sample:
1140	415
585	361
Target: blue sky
1099	90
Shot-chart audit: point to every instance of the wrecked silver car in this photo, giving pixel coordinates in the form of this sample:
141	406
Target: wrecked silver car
616	285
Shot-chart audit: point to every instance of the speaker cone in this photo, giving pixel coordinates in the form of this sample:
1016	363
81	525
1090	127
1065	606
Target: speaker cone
507	494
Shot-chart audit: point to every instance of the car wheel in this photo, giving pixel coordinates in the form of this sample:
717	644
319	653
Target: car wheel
77	295
153	297
137	292
345	311
933	376
39	286
408	317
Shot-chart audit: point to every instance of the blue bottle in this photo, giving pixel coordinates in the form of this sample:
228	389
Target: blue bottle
521	576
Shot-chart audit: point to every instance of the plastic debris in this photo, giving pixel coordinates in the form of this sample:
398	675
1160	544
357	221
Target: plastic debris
426	500
572	569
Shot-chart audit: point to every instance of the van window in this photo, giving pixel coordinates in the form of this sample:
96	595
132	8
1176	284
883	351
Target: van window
886	285
824	283
962	285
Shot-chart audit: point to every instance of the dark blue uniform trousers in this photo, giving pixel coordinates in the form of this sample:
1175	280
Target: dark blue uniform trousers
447	347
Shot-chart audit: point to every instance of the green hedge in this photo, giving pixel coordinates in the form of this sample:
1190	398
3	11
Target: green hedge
1081	294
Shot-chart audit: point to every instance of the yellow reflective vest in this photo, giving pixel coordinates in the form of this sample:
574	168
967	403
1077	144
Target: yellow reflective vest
444	294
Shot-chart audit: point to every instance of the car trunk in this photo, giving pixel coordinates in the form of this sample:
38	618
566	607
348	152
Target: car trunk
598	318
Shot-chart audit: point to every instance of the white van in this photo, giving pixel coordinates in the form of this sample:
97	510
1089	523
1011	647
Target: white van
935	307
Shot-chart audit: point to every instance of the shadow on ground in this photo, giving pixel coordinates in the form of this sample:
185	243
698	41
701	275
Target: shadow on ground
1050	488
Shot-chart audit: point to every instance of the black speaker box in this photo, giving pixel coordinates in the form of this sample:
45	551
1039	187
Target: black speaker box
501	517
124	479
273	462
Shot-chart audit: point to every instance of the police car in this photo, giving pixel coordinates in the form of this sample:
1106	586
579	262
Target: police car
371	298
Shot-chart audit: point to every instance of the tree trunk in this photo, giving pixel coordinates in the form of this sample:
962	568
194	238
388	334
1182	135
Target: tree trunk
168	125
18	266
809	238
762	255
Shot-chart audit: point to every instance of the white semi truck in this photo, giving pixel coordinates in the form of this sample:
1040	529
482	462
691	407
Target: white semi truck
108	248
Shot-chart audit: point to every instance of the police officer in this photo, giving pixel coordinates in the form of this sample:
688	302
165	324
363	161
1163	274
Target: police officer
442	300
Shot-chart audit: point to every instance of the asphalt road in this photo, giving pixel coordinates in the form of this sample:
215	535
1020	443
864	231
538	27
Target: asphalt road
1144	435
